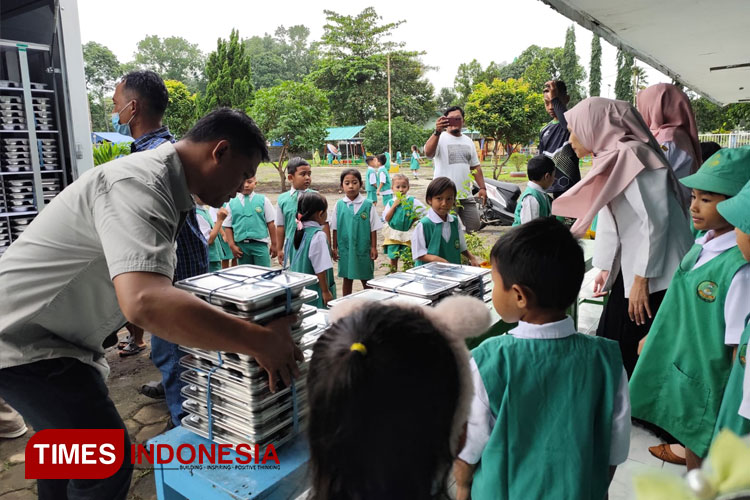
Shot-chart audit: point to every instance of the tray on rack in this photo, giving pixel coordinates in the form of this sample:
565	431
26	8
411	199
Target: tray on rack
415	285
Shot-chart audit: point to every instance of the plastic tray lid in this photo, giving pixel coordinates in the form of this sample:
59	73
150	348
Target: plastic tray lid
453	272
413	284
380	296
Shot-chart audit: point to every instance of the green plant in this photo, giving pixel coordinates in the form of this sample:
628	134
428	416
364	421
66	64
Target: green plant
518	160
108	151
478	246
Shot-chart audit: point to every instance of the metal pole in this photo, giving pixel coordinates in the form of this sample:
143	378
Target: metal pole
31	126
388	72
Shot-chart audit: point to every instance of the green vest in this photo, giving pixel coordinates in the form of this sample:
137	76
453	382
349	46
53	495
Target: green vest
369	187
288	204
387	184
215	253
552	401
433	236
249	220
545	207
353	239
730	404
300	262
403	218
681	374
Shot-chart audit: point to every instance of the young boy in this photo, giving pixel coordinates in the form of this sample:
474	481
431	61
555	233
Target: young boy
249	226
371	177
683	368
210	229
534	202
734	412
550	416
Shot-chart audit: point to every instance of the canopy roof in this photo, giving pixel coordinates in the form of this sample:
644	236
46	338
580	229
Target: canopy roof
344	133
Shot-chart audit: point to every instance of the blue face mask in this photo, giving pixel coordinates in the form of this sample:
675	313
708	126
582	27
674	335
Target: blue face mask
121	128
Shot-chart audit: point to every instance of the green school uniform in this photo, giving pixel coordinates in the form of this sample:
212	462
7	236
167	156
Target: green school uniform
301	264
414	165
552	401
729	416
545	207
371	189
681	375
249	227
433	236
288	203
403	219
215	254
386	184
353	238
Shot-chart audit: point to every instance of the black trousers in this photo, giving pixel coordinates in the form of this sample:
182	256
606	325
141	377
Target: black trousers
64	393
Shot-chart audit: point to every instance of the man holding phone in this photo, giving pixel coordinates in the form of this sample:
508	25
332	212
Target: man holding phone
456	158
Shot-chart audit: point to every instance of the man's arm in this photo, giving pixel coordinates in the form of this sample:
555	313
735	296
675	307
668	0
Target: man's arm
479	179
150	300
430	146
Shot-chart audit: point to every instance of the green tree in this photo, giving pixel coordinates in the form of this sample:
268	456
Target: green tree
640	78
467	75
180	113
571	72
228	79
710	117
285	56
595	67
403	135
294	113
508	111
172	58
446	98
543	69
623	84
517	68
351	69
101	69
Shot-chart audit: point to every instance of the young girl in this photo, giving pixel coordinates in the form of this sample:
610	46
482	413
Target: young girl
371	186
414	165
400	215
210	229
384	181
227	259
310	253
439	236
354	226
393	380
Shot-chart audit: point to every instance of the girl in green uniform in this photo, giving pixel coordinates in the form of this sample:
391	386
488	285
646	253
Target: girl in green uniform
354	226
210	230
414	164
309	252
227	259
684	366
400	215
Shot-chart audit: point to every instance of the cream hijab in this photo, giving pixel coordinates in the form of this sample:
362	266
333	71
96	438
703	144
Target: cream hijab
622	146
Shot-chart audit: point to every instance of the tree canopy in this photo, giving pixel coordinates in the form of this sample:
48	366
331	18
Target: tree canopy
285	56
101	69
228	76
571	72
172	58
180	113
404	135
595	67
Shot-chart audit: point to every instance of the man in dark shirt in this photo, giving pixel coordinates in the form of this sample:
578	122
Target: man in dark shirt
554	138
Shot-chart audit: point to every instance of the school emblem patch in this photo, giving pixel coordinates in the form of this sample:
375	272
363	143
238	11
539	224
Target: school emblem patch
743	354
258	209
707	291
457	245
363	215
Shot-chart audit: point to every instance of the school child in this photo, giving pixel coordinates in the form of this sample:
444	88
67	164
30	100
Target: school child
309	252
534	202
439	236
734	412
400	214
414	164
384	182
684	364
227	259
371	177
550	416
210	229
299	174
249	226
354	225
392	379
399	159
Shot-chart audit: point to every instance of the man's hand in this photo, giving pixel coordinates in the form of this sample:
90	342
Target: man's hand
441	124
222	214
279	352
482	196
236	251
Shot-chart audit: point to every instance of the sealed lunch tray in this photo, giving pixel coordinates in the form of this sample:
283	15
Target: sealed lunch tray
199	426
276	310
379	296
243	287
464	275
414	285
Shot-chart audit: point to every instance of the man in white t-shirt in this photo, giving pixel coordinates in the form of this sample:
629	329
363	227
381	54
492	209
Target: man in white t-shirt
455	157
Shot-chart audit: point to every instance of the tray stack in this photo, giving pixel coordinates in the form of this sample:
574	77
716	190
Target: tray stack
472	281
381	296
11	113
415	286
242	408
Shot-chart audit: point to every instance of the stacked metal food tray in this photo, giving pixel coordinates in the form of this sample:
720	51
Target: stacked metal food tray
18	225
243	409
4	235
48	154
51	186
469	280
381	296
414	285
12	113
19	194
43	118
14	155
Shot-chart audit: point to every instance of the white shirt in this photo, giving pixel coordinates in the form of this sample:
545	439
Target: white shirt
419	209
643	231
204	226
375	221
372	179
268	212
530	205
454	158
681	163
745	405
737	305
279	214
418	243
383	180
481	420
319	255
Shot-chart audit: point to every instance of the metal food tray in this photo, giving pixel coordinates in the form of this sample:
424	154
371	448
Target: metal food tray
243	288
379	296
464	275
199	426
7	98
277	310
414	285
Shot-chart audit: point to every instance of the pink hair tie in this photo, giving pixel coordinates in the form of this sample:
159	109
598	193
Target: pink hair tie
299	222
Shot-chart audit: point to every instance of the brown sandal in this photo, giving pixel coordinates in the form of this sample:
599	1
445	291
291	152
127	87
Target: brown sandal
664	452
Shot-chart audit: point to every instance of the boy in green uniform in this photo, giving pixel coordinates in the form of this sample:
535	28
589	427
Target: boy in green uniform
371	177
550	416
683	369
384	183
400	215
354	226
534	202
249	226
734	413
210	230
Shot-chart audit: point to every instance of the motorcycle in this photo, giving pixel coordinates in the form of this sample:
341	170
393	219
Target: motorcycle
500	208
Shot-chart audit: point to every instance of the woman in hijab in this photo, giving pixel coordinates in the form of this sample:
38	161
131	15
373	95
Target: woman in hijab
642	232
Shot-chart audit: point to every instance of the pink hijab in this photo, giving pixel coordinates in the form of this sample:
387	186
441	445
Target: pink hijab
668	114
622	146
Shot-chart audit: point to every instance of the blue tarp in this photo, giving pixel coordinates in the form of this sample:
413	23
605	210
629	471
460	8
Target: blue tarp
97	137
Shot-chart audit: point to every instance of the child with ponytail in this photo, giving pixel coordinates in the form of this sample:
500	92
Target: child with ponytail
310	253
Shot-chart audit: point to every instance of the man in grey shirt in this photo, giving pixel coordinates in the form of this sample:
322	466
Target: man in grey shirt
102	253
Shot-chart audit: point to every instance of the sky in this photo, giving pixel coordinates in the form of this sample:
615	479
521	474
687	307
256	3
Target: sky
448	33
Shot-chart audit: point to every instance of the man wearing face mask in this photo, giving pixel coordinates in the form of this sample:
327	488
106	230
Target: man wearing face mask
456	157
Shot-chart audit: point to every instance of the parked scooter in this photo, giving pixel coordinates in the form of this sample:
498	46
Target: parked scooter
500	208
